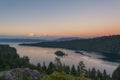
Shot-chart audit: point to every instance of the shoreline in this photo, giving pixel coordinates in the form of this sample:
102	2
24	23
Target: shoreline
106	55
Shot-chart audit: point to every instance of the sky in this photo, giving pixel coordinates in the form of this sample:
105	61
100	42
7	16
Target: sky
78	18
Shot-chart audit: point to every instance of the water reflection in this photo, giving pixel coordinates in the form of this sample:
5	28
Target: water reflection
38	54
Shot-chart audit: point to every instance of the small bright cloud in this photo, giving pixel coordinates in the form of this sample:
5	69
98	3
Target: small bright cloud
31	34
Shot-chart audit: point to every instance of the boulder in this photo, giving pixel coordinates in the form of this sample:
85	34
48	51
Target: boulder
20	74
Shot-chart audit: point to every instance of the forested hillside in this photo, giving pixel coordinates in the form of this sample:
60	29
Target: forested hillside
108	45
10	59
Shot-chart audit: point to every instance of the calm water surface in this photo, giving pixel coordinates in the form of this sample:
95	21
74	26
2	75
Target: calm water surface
39	54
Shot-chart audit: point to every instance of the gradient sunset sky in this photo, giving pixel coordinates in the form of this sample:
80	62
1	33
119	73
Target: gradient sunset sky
79	18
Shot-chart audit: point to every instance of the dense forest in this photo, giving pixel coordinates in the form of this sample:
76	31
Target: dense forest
9	59
108	46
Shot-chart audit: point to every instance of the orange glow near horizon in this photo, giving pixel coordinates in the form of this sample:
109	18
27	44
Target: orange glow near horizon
77	32
89	30
74	18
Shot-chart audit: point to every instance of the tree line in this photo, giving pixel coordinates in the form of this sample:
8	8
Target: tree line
55	70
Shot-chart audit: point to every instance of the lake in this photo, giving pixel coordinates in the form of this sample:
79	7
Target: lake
39	54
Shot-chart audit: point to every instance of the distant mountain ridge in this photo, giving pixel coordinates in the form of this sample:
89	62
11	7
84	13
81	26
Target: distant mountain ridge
67	39
34	39
22	40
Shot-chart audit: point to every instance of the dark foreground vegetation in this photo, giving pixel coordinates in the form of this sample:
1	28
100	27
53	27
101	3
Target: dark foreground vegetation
9	59
108	46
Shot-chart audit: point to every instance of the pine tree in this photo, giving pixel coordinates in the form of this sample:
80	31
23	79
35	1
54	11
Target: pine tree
73	70
88	73
81	68
116	74
39	67
99	75
58	64
105	75
67	69
44	67
51	68
93	73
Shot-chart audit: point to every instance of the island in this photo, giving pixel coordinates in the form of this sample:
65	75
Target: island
60	53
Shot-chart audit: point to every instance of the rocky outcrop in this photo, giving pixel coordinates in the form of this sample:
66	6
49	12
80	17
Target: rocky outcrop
20	74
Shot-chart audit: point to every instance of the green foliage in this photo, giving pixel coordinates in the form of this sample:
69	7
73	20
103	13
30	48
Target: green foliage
116	74
81	73
39	67
10	59
81	68
66	69
44	67
58	64
1	78
62	76
73	70
92	74
51	68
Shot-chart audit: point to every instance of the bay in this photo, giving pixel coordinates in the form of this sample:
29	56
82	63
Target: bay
40	55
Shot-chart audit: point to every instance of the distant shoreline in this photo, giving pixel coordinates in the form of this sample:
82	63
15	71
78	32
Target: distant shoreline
106	55
108	46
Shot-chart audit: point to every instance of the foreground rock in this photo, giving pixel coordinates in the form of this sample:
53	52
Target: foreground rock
20	74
